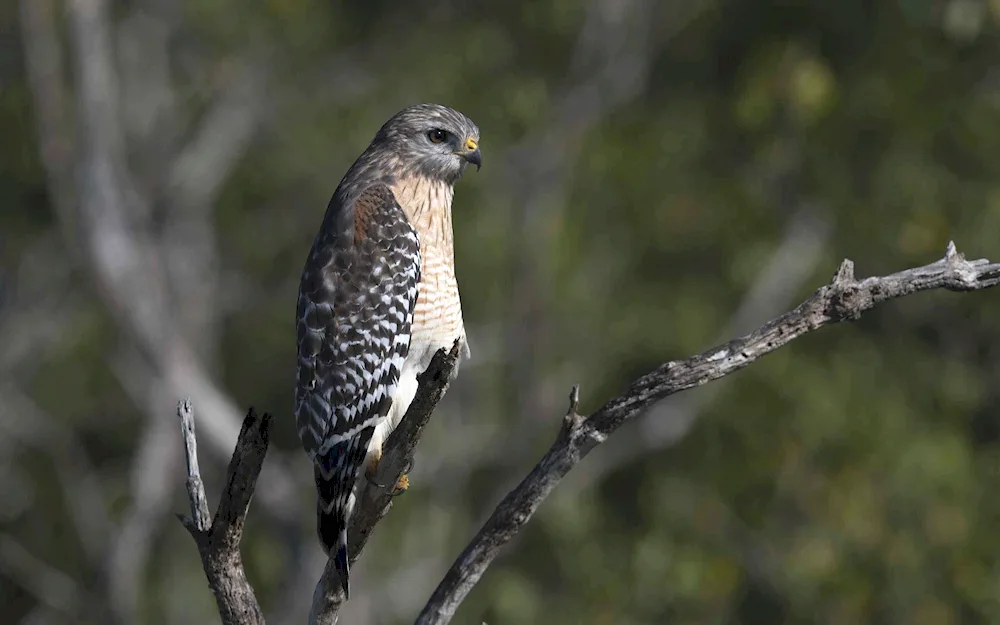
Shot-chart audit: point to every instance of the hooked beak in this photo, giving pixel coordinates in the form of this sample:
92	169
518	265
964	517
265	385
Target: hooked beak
471	153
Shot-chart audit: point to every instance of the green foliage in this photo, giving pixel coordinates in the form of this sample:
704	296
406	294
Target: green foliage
848	478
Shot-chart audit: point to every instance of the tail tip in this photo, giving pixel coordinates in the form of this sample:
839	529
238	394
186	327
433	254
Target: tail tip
340	561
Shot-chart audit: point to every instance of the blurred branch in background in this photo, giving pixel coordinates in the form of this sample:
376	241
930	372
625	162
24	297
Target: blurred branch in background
651	166
25	424
145	178
53	589
808	228
793	262
609	68
130	259
156	268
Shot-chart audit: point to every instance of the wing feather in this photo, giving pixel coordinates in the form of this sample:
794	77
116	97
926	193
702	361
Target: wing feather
355	310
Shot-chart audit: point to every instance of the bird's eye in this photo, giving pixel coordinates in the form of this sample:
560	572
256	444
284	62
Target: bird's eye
437	135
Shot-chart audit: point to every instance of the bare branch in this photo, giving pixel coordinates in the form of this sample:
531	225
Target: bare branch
121	251
609	68
23	421
152	479
668	422
375	498
219	541
199	519
843	299
46	76
206	162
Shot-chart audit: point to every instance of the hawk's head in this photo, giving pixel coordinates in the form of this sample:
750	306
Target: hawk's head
430	140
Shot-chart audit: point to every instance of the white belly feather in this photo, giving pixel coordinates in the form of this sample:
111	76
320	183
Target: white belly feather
417	361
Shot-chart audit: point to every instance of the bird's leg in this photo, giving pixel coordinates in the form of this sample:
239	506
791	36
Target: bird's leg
372	468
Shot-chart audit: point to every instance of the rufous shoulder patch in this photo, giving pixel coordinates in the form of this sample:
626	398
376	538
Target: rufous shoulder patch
372	202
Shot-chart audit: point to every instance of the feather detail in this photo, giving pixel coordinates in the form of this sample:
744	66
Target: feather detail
356	302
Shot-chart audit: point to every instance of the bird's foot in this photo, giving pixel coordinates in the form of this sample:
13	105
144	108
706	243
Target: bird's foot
371	471
403	483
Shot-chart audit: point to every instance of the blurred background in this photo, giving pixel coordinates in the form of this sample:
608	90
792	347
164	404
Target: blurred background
659	176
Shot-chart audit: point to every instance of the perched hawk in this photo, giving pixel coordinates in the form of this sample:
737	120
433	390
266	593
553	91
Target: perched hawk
378	297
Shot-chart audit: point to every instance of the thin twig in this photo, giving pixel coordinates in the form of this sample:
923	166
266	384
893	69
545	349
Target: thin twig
844	299
199	518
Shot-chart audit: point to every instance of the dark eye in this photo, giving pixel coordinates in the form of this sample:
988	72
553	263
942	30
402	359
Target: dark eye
437	135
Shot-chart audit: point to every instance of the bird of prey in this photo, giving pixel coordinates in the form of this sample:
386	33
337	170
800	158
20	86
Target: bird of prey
377	298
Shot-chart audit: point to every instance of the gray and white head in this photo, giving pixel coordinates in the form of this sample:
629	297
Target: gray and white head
429	140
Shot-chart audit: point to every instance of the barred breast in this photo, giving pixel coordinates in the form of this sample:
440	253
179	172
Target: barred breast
437	319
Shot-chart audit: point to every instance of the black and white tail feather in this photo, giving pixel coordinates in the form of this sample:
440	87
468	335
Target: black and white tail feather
355	310
336	472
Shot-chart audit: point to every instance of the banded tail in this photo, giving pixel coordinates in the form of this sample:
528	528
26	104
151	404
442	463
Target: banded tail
333	536
335	472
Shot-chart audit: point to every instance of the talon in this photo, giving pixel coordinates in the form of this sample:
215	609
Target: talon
402	485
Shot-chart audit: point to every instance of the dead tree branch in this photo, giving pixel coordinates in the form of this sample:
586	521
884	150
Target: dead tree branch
843	299
791	264
219	539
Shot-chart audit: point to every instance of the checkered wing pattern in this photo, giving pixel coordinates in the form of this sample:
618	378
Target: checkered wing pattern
355	311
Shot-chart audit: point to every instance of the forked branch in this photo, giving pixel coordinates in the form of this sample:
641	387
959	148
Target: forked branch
219	539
